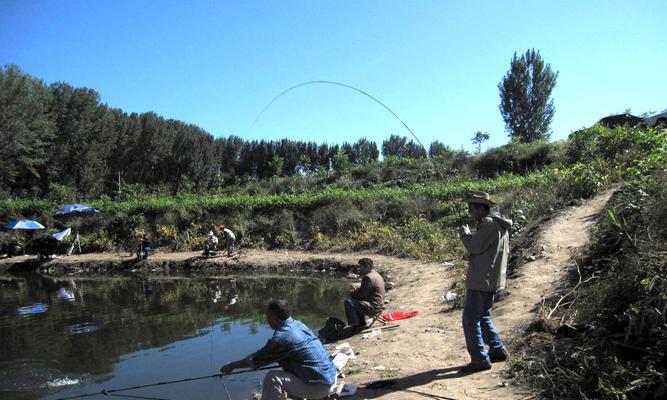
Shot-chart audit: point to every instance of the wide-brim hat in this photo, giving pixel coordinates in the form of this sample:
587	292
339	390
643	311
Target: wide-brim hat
479	197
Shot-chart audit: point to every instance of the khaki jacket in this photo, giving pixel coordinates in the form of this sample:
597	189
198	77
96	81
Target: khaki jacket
489	251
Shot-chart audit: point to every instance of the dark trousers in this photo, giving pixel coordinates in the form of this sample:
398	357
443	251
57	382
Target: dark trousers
356	310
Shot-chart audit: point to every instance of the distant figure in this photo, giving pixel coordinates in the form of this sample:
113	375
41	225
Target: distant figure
367	300
488	252
230	239
211	244
143	247
307	370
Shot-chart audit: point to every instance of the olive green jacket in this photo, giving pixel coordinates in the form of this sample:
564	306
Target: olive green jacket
488	250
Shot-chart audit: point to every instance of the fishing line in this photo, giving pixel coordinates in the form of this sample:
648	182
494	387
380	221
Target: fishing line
219	375
360	91
343	85
134	397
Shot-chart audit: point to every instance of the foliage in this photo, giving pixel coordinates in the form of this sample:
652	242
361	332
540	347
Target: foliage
515	157
525	104
479	138
621	292
399	147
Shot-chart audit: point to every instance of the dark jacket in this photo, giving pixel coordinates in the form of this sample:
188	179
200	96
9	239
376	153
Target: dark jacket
371	290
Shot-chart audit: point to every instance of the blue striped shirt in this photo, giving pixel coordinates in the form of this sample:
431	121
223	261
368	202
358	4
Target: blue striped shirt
298	351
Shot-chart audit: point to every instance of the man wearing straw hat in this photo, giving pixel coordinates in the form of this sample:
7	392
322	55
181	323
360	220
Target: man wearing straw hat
488	250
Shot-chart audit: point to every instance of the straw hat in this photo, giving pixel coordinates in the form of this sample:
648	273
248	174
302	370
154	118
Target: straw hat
479	197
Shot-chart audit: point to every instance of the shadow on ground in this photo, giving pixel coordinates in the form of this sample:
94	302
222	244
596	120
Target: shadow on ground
410	384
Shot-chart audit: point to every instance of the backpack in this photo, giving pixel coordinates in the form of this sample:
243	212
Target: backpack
332	330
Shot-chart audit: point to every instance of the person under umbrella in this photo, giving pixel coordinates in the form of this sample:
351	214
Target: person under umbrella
24	224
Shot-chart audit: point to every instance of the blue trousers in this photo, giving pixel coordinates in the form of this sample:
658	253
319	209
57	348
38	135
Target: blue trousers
478	327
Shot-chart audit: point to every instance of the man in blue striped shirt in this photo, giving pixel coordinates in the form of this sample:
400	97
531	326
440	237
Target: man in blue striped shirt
307	369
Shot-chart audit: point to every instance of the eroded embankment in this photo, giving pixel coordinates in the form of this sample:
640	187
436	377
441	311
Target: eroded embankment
180	263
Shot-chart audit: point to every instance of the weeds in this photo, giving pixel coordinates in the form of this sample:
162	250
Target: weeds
618	301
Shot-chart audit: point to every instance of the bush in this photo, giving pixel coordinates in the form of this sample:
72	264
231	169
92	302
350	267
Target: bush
518	158
11	244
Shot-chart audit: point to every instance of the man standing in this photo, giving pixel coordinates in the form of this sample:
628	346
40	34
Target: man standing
307	370
488	252
366	300
230	238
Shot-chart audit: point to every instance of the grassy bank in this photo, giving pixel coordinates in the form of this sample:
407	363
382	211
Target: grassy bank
606	337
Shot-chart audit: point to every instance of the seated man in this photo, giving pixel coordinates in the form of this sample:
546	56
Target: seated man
307	369
366	300
211	244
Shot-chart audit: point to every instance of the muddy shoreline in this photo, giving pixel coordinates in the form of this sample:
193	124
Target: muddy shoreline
186	263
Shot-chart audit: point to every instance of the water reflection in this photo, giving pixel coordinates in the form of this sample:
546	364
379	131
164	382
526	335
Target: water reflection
133	330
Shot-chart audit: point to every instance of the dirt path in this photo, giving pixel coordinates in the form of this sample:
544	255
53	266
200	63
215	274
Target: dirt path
424	353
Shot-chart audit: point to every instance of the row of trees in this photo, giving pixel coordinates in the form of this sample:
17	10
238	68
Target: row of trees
59	134
62	135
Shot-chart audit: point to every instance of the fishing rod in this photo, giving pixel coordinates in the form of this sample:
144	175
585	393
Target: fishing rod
343	85
106	392
357	90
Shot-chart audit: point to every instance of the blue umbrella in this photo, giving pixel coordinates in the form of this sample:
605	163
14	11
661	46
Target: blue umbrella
25	224
71	210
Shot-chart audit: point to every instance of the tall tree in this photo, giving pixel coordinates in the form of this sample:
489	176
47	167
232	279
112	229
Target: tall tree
365	151
525	102
26	130
394	146
479	138
399	147
439	149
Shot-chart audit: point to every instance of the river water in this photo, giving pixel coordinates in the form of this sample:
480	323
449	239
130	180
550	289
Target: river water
66	337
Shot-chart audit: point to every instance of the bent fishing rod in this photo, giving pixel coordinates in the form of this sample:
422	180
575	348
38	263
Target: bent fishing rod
106	392
357	90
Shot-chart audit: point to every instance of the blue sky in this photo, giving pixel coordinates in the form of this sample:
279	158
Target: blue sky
436	64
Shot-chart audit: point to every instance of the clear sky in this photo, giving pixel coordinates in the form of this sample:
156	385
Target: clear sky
436	64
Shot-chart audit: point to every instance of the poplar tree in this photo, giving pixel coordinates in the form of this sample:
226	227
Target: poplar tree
525	103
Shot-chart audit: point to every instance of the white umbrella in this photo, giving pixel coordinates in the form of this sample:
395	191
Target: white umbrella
62	234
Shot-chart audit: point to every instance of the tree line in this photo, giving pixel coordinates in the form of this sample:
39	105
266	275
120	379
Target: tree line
58	134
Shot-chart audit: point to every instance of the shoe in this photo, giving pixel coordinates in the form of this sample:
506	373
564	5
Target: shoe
476	367
498	355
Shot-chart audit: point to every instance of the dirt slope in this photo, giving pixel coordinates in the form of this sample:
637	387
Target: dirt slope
423	354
